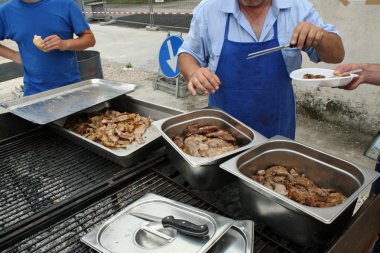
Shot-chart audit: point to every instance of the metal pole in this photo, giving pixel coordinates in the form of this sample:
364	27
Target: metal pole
151	18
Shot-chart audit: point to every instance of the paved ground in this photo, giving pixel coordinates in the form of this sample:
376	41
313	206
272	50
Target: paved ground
119	46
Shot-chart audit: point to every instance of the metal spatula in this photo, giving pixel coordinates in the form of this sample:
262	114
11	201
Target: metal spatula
268	51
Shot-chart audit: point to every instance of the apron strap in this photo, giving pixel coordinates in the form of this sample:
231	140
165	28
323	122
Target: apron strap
226	30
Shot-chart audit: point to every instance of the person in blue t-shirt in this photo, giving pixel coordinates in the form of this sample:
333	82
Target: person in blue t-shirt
56	21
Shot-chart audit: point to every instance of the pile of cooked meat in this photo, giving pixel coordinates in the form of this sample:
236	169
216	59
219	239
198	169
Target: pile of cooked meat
111	128
205	141
298	188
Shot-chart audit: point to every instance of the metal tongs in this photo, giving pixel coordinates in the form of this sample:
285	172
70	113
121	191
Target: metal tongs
268	51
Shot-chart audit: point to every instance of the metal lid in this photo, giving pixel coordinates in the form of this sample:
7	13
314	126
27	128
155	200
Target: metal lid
48	106
238	239
127	233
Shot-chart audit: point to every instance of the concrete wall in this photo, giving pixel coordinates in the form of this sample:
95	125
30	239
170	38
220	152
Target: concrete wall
359	26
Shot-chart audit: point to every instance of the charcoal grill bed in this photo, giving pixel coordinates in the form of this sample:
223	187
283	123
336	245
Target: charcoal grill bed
64	235
33	162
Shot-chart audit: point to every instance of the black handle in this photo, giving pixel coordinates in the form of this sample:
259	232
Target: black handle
185	227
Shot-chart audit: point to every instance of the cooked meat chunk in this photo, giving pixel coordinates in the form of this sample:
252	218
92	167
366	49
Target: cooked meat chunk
112	129
281	189
224	135
342	75
298	188
311	76
205	141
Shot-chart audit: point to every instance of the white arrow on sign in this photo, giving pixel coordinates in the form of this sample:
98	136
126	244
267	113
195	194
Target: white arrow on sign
172	59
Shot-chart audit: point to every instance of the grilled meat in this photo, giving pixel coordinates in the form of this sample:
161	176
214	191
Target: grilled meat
205	141
298	187
112	129
311	76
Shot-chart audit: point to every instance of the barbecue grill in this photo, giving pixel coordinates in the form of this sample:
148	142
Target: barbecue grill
54	191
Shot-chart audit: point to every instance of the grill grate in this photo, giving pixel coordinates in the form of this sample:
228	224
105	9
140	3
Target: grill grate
40	169
66	190
64	235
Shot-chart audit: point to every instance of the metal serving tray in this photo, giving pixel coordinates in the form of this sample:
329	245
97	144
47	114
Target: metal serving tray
238	239
309	225
48	106
204	172
126	233
134	152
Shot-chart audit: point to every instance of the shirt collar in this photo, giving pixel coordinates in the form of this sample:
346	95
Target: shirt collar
229	6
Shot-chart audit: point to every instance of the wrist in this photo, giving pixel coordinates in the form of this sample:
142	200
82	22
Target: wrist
192	73
63	45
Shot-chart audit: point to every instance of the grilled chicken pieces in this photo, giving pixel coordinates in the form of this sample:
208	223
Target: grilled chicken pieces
298	188
205	141
113	129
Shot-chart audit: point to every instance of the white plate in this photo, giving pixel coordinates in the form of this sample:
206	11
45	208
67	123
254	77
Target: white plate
329	81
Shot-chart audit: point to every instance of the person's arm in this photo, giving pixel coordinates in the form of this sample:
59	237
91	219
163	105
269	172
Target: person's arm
200	78
85	40
194	56
370	74
329	46
10	54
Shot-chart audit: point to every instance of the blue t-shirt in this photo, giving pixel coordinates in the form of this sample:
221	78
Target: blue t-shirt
20	21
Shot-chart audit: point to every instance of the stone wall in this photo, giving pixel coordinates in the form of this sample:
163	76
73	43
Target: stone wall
359	27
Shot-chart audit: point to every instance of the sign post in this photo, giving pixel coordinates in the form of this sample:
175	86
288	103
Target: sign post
168	61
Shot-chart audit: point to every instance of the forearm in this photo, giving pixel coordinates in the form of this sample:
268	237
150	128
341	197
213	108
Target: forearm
8	53
187	65
330	49
84	41
371	73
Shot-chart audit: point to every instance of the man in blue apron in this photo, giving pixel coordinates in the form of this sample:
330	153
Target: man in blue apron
256	91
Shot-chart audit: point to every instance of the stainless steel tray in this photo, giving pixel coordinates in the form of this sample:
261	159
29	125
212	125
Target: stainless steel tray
173	126
204	172
134	152
238	239
124	232
48	106
310	225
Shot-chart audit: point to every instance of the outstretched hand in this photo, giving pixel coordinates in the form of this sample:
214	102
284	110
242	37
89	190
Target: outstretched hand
356	81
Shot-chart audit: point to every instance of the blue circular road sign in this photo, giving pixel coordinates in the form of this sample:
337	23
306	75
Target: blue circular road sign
168	57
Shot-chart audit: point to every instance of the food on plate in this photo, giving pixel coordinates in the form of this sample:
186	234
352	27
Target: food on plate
342	75
111	128
37	40
311	76
205	141
298	187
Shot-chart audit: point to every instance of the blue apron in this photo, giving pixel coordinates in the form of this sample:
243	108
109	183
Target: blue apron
258	91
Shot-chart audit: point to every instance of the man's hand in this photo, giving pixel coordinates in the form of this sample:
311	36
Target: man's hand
307	35
203	80
54	42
